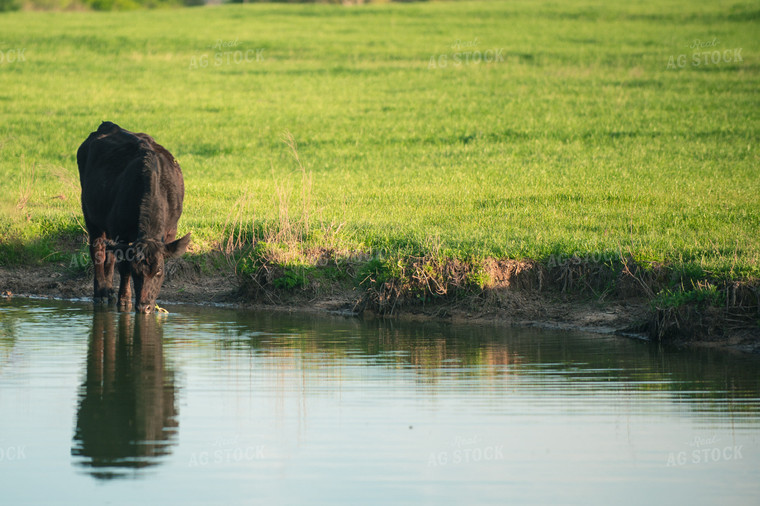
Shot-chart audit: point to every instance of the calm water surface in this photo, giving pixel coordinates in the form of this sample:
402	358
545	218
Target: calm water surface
211	406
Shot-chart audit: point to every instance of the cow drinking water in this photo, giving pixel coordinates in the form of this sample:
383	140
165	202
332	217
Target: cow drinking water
132	192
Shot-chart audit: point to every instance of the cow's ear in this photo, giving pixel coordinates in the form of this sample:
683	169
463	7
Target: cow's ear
178	247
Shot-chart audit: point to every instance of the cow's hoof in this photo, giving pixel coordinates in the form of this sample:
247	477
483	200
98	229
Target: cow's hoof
105	295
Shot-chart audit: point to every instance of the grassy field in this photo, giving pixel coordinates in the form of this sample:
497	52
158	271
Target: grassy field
574	137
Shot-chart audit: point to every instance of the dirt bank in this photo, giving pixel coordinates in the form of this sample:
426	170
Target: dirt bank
518	293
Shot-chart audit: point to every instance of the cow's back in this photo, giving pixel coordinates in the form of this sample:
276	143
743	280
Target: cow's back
128	182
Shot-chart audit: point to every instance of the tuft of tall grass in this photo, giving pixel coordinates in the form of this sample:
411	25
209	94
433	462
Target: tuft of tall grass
26	185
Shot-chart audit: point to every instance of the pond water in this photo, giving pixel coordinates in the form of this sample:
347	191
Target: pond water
219	406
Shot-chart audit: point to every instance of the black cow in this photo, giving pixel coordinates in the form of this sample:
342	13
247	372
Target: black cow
132	192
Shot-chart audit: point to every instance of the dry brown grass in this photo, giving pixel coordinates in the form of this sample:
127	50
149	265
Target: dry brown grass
239	225
26	187
69	183
286	240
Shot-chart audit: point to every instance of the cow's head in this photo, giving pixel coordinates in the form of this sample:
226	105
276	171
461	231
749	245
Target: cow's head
146	262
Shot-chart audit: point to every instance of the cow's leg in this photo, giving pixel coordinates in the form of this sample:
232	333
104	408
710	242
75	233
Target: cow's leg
108	273
102	261
125	291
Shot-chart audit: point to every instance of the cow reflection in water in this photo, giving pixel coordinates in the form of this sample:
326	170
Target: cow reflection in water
127	417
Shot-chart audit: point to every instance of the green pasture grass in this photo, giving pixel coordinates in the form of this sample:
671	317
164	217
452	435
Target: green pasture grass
578	140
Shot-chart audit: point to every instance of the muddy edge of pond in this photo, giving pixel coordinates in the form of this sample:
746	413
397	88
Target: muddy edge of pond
518	295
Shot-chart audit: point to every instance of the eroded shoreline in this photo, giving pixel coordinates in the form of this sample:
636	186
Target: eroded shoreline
513	303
